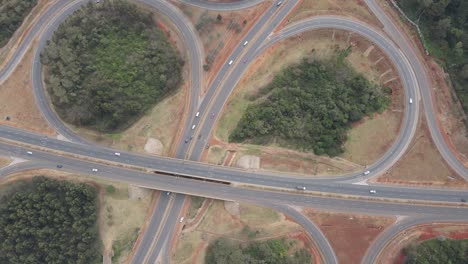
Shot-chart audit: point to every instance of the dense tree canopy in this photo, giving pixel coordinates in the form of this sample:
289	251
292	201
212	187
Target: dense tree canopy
263	252
51	222
310	107
436	251
444	24
12	13
108	64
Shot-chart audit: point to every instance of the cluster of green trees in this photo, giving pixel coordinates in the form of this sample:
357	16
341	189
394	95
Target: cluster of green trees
107	64
310	107
49	221
438	251
444	24
12	13
274	251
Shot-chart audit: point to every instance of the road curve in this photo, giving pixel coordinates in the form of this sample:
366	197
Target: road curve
228	6
386	237
424	88
411	114
316	234
187	33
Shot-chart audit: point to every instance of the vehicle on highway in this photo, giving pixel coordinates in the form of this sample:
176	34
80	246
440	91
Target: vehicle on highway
411	100
191	137
245	43
193	127
117	153
207	146
366	172
94	170
168	193
302	188
230	62
29	152
181	219
212	115
199	136
197	114
463	200
279	3
373	191
186	140
59	166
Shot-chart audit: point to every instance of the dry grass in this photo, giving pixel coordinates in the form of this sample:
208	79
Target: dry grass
217	39
119	217
356	9
349	235
368	139
17	100
422	164
251	223
4	161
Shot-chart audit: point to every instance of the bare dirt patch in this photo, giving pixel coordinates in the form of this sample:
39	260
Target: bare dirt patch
422	164
357	9
220	31
120	218
349	235
393	252
17	100
368	139
248	223
452	120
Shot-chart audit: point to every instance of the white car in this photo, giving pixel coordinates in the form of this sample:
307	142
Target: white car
230	62
198	114
303	188
373	191
366	172
245	43
279	3
411	100
193	127
181	219
94	170
117	153
29	152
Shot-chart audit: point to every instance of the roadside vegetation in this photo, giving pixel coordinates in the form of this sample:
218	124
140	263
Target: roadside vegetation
273	251
444	25
310	106
437	251
107	64
12	14
49	221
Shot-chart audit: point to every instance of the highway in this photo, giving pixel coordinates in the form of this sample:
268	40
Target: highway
260	37
226	6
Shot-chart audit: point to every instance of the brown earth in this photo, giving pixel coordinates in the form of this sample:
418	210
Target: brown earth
356	9
368	140
349	235
17	100
449	112
246	224
393	252
422	164
217	39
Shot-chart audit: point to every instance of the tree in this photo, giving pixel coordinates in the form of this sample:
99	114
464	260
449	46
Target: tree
219	18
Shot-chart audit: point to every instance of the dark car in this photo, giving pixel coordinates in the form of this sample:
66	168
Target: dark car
463	200
59	166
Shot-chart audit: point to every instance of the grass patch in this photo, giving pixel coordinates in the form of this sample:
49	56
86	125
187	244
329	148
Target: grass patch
196	203
124	244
